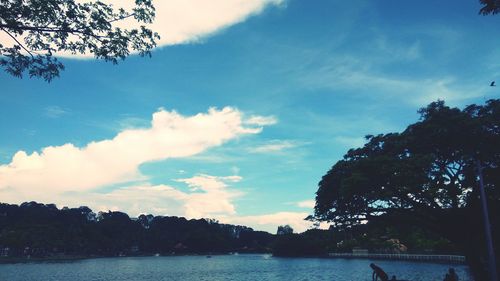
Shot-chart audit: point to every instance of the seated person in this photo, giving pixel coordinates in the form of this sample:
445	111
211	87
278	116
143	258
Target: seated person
378	273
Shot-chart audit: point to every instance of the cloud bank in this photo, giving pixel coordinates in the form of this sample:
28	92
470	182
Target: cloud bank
104	175
112	161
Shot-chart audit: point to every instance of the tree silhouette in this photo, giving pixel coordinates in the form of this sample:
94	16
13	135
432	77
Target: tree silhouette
424	176
284	229
39	29
489	7
44	231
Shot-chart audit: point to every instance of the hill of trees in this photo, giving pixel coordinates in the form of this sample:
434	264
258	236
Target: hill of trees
42	230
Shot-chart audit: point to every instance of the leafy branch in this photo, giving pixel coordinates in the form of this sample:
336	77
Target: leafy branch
41	28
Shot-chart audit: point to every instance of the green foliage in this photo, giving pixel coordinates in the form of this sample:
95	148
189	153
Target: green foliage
41	28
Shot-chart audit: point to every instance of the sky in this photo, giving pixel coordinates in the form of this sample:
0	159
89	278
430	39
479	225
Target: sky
243	106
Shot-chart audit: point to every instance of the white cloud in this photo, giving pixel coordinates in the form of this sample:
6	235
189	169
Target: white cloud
186	21
112	161
274	146
181	21
306	204
215	198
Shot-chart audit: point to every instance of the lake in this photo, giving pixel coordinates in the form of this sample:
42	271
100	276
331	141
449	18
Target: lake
224	267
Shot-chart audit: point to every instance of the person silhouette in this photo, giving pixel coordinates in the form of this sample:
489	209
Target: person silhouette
378	273
451	275
393	278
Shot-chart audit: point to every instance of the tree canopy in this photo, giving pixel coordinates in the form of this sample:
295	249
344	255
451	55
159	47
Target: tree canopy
39	29
489	7
425	175
284	229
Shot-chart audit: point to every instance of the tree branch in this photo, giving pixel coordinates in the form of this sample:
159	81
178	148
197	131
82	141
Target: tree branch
19	43
122	18
51	29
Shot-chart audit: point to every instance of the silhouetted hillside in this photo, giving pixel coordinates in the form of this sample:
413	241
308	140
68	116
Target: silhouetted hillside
42	230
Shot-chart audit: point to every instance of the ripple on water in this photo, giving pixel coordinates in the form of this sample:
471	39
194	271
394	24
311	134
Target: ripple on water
222	268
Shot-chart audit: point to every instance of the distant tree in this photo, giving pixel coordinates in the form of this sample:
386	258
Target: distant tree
424	176
40	29
284	229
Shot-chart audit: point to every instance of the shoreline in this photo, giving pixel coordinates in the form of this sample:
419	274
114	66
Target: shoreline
70	258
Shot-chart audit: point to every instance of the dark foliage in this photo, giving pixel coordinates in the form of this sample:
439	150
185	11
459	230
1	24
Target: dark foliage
41	28
284	229
38	230
425	176
376	237
489	7
313	242
43	231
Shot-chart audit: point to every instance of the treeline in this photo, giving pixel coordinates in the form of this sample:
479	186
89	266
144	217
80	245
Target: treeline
38	230
375	237
42	230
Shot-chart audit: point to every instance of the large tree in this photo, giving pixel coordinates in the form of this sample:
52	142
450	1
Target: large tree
39	29
425	176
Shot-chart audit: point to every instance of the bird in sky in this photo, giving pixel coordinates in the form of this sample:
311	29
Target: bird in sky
492	84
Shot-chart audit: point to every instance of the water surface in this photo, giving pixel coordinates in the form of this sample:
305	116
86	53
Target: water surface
222	268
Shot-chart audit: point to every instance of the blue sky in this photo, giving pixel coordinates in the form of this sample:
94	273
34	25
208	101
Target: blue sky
306	79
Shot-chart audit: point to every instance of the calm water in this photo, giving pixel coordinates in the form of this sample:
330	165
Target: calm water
234	268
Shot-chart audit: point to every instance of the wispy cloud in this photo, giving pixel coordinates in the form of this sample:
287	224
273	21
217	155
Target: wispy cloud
306	204
354	74
131	122
350	142
274	146
261	120
388	67
54	111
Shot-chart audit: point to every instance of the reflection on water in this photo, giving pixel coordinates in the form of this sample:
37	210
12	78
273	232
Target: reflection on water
222	268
